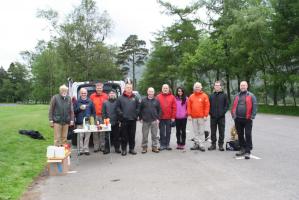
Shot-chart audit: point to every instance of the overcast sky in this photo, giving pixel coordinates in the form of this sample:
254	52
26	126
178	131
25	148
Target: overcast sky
21	29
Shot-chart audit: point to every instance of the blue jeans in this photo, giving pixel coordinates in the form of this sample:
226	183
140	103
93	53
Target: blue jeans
165	131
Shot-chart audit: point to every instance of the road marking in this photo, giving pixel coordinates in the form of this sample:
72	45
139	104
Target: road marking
72	172
251	156
278	118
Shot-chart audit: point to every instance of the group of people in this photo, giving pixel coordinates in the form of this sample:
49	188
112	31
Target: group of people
158	114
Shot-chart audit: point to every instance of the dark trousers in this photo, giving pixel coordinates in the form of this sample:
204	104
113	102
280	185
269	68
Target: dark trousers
165	131
128	129
220	123
114	137
181	131
244	126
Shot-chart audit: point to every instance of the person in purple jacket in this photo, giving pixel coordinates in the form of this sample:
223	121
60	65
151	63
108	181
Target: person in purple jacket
181	117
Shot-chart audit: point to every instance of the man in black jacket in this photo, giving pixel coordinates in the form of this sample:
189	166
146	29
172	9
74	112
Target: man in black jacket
109	111
218	107
127	108
150	112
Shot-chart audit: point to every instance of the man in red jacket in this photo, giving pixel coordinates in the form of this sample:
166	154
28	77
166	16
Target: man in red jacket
98	98
168	107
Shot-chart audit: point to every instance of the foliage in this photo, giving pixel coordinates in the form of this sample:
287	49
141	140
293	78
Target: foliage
132	53
250	40
279	110
14	83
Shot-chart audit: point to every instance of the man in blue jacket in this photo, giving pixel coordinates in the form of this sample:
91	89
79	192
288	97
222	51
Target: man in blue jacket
83	108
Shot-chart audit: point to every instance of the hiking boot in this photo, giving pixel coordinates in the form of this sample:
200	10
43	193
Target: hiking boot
144	150
212	147
241	153
168	148
247	156
221	148
195	147
202	149
106	151
162	148
117	150
155	150
124	152
132	151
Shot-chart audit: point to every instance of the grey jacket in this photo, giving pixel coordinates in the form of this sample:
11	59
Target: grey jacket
127	108
150	109
61	109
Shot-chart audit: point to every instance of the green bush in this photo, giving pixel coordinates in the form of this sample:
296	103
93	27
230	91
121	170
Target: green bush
279	110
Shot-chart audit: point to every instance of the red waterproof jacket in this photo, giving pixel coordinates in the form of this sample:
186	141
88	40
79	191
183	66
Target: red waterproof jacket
168	105
98	100
198	105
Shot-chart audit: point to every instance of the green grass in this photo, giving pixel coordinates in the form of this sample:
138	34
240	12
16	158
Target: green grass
21	157
279	110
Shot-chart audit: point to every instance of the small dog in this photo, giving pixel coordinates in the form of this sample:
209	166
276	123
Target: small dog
233	133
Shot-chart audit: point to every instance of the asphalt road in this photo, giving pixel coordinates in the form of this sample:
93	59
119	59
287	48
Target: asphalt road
187	174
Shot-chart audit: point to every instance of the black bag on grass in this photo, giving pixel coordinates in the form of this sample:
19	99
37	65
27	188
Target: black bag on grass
33	134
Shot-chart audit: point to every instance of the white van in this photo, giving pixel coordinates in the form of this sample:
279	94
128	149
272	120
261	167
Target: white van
74	87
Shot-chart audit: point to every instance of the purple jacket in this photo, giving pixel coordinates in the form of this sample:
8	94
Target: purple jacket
181	112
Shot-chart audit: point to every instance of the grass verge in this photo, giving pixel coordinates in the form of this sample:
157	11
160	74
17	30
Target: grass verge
21	157
279	110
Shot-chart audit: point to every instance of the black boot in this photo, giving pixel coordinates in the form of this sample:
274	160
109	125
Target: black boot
241	153
221	147
212	147
117	150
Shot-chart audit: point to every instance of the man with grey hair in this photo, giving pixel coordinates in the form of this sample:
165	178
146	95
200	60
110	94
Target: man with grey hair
127	108
243	112
198	110
83	108
168	108
150	111
61	115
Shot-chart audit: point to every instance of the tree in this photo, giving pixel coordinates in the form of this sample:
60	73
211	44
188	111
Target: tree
132	53
16	86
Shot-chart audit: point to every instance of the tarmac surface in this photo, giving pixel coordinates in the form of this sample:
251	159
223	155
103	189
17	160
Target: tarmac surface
272	173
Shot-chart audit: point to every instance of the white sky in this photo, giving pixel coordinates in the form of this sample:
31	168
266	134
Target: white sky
21	29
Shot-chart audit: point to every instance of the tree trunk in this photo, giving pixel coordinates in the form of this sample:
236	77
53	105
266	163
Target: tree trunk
275	91
134	81
293	94
265	87
239	81
228	86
